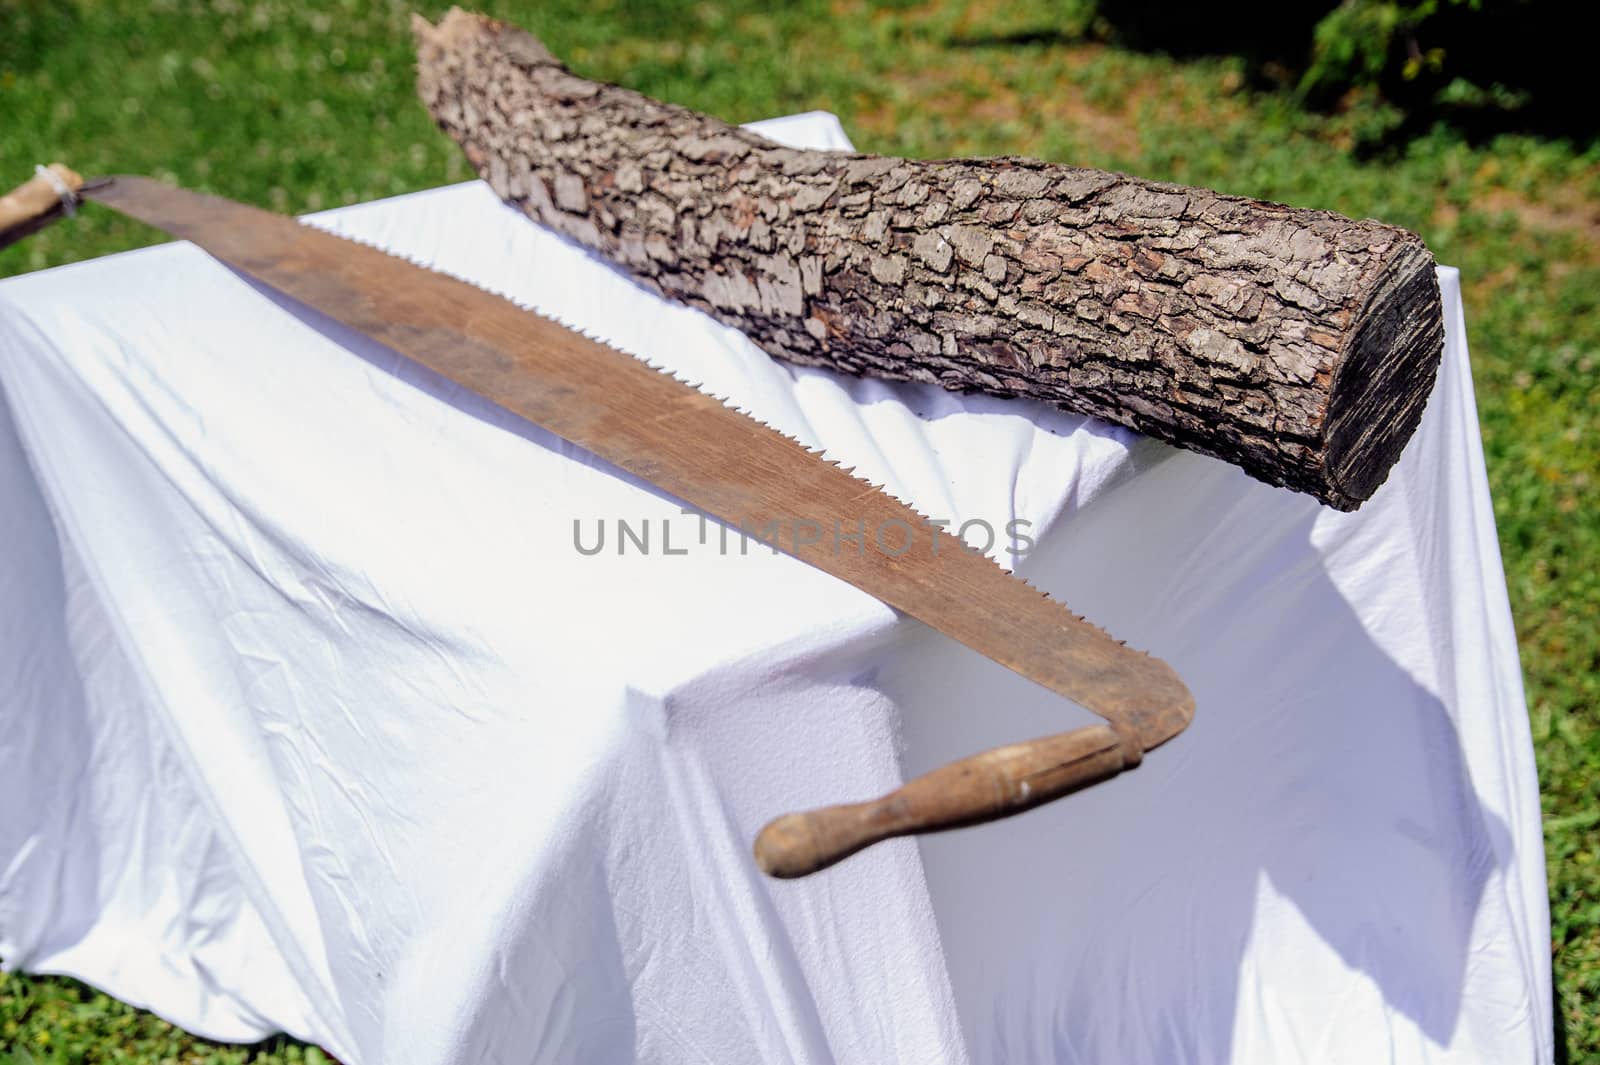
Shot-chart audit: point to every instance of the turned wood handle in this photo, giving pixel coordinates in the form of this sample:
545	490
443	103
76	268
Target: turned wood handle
985	787
34	204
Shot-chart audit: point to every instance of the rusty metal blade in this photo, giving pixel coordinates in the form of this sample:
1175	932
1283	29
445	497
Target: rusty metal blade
683	441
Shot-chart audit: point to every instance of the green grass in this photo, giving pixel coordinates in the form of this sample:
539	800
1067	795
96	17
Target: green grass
301	105
54	1021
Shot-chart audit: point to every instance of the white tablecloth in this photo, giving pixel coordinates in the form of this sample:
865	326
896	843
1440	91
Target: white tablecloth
313	717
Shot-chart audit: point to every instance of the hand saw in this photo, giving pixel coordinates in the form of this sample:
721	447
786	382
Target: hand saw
723	463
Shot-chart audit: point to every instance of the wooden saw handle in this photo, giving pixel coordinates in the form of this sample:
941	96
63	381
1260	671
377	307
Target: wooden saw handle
35	203
985	787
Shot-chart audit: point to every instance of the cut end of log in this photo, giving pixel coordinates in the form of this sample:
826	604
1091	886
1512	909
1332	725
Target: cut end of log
1384	376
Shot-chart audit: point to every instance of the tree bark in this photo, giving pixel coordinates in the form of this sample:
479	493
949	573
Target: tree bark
1299	345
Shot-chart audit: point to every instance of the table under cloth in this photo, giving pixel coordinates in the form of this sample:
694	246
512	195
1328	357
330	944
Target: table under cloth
319	712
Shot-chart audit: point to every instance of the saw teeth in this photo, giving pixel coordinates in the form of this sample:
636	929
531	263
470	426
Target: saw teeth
724	401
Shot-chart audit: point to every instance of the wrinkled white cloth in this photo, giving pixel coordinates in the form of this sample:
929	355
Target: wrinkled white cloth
314	717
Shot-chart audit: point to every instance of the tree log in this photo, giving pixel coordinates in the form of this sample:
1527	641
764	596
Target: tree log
1299	345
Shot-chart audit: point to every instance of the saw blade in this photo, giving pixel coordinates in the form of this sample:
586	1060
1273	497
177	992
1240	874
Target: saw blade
685	442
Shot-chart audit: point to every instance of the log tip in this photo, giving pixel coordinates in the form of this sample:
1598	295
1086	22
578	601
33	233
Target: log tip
447	33
434	42
1384	375
458	28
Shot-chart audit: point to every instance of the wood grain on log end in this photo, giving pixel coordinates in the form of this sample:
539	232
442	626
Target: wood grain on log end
1384	376
1299	345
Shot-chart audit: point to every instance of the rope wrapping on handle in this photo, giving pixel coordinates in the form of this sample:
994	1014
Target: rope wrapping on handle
69	199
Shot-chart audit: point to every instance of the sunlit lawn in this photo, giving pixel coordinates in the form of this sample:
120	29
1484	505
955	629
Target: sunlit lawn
297	106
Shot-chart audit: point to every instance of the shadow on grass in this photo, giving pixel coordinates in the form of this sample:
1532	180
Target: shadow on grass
1495	68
